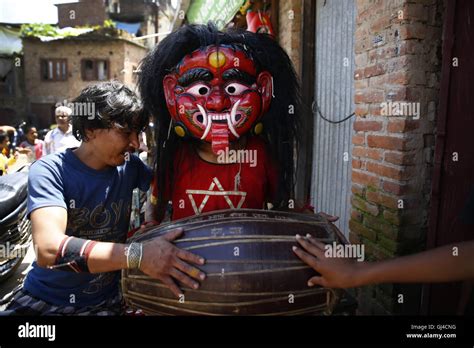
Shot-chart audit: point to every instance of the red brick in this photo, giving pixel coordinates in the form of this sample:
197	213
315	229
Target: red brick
374	70
381	22
357	189
413	31
415	12
399	63
401	126
359	151
389	172
362	230
358	74
365	206
356	215
398	78
382	199
358	140
356	164
395	188
399	158
354	238
369	96
392	216
381	226
362	126
363	178
361	84
361	110
411	47
396	93
386	142
374	154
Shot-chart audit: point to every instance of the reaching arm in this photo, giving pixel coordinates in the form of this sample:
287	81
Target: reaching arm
443	264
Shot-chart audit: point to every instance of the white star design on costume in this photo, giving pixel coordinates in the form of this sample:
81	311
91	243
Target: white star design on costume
210	192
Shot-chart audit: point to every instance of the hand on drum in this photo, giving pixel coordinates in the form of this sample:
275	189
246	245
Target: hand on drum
335	272
331	218
164	261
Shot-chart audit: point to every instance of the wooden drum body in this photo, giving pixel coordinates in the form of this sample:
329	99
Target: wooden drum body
250	266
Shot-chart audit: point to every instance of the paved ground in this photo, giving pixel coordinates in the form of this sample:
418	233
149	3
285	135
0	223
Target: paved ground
7	286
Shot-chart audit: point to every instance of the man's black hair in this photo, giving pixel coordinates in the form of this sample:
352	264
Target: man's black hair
280	122
113	103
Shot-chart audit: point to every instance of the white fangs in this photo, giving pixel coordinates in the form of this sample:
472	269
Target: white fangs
207	119
207	123
231	120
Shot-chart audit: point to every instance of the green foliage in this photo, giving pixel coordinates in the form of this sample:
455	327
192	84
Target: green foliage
108	23
38	29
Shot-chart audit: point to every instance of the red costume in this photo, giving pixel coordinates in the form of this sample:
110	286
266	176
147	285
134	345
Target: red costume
201	186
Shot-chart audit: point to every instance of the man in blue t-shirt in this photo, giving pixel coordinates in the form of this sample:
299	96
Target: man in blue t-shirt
79	204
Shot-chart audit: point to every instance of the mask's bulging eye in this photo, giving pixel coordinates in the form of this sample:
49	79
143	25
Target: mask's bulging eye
199	90
235	88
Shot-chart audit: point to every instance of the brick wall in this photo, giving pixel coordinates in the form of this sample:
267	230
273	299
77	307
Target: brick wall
122	57
398	59
89	12
289	29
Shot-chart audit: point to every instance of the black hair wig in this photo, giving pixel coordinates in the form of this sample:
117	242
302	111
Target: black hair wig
112	102
280	122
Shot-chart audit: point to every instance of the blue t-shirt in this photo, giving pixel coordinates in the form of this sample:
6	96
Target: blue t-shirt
98	207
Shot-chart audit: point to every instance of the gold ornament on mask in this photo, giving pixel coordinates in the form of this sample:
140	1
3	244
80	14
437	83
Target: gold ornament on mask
179	131
217	59
258	128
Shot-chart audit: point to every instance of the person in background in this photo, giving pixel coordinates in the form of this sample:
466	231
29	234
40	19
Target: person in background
5	160
60	138
32	143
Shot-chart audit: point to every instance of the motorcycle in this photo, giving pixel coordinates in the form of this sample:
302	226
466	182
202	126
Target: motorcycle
15	227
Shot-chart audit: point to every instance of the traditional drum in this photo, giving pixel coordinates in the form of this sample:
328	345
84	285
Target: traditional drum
250	266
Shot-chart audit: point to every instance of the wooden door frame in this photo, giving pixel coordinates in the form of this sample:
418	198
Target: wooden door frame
308	55
442	118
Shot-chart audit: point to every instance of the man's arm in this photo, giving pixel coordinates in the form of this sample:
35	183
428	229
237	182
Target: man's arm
161	259
443	264
49	227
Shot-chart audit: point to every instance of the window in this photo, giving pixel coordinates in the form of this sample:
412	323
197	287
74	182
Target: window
53	69
95	69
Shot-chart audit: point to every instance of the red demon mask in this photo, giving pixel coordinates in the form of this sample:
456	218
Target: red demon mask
217	95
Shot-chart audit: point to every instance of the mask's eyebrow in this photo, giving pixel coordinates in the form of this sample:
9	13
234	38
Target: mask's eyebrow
193	75
239	75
